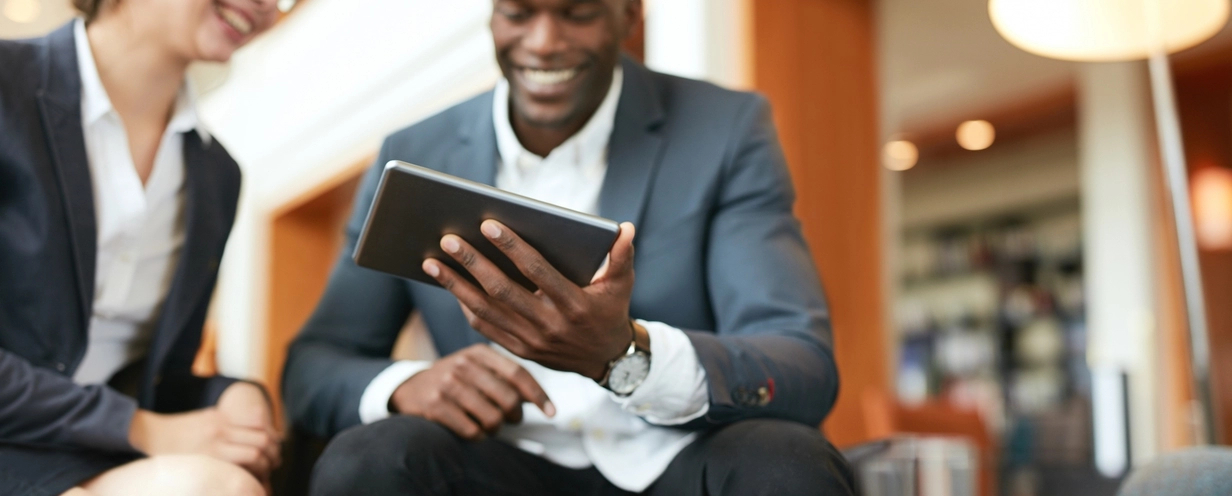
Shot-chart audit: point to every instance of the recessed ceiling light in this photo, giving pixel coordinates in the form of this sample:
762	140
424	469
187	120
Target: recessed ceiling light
900	155
22	11
975	135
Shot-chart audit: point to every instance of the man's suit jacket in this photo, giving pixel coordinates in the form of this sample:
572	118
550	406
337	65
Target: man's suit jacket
699	171
47	263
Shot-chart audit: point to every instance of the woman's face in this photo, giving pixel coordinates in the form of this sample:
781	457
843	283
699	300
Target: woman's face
209	30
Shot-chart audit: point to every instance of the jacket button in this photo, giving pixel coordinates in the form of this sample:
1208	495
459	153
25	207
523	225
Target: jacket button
60	366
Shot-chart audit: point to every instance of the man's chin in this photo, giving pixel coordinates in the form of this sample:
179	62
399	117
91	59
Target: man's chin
546	118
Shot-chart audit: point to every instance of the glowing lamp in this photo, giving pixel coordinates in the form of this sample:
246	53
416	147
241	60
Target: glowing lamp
1122	30
1106	30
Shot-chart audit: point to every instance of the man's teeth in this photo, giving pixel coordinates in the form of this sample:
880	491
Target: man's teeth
547	78
235	20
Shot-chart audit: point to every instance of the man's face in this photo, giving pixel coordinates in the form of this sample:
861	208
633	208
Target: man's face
558	55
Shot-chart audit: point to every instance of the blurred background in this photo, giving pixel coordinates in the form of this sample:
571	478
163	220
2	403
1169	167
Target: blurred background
991	226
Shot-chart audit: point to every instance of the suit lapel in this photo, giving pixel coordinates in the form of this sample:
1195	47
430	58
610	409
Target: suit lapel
59	102
475	157
634	148
204	226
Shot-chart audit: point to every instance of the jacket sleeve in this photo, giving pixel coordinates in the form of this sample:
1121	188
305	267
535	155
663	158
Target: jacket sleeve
350	336
182	392
40	406
771	354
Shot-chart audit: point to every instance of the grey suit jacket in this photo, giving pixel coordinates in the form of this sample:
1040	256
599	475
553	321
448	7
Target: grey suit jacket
719	254
47	257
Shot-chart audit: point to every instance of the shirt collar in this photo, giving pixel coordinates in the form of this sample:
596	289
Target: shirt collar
591	140
95	103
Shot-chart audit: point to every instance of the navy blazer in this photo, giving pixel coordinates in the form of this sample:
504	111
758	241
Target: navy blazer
47	263
700	171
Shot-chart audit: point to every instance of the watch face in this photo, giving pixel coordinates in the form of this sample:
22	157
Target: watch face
628	373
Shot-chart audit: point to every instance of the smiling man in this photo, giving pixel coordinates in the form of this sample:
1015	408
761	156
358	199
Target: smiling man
708	373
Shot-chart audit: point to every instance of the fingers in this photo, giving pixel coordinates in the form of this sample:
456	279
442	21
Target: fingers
478	407
452	417
491	277
250	458
620	259
261	439
499	392
529	261
482	312
521	380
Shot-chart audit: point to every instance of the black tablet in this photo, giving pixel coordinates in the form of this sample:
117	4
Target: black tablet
415	206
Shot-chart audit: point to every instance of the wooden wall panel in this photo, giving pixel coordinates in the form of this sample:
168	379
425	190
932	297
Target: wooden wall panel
1204	99
815	60
305	238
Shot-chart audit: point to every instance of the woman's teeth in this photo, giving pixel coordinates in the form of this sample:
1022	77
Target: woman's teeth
235	20
548	78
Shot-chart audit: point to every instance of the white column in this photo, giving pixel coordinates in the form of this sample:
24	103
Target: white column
700	39
1116	156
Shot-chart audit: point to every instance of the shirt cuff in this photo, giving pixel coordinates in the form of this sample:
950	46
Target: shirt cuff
675	391
374	403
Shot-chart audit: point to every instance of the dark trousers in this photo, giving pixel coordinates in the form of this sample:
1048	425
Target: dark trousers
412	456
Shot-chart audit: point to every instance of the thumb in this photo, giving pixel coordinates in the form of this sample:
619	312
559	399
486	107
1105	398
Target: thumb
620	259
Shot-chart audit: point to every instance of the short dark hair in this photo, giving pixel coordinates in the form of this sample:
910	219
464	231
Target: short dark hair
91	8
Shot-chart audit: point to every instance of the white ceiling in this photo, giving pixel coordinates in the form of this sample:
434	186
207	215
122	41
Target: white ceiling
941	61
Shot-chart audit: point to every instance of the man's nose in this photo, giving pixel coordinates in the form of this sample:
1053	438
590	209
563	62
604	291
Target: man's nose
545	35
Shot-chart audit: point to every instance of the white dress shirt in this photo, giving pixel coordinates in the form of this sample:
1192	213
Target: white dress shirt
592	426
140	227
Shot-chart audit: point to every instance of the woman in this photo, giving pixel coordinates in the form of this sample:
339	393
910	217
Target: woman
115	205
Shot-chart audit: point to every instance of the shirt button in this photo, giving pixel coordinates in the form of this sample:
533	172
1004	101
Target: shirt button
60	366
597	434
575	425
643	408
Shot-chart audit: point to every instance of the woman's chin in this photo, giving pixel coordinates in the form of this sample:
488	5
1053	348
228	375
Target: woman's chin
215	53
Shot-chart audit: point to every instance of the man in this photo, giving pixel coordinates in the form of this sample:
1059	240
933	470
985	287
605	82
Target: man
717	389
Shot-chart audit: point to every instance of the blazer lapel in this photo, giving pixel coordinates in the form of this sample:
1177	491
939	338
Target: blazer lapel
634	148
204	226
475	157
59	102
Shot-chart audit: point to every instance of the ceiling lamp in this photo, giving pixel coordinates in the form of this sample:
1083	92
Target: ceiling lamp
1106	30
975	135
900	155
1121	30
22	11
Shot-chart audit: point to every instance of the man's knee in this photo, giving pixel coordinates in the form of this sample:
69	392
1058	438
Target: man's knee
779	456
402	448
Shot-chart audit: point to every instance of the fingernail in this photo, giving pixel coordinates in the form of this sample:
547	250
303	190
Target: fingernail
450	244
549	409
431	268
490	229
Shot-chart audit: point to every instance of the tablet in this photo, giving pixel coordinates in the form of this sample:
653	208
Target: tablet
415	206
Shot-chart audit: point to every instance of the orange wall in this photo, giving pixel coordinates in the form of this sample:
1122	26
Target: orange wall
815	60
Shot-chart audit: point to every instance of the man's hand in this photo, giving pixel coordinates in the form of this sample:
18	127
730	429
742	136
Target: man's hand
561	326
237	430
471	392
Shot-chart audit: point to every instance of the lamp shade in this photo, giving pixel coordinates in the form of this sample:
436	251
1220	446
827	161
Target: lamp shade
1106	30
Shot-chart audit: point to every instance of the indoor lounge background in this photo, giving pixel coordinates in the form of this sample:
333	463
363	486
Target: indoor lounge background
964	201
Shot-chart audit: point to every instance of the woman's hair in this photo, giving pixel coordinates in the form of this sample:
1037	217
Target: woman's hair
91	8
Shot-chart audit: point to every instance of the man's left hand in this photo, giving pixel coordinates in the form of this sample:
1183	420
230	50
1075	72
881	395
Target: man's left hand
560	326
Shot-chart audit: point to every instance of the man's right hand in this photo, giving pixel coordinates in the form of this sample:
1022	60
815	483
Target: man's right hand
471	392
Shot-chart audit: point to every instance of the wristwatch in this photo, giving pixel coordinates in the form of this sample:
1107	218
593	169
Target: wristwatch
628	371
